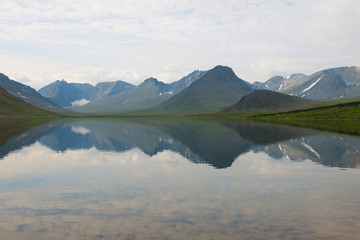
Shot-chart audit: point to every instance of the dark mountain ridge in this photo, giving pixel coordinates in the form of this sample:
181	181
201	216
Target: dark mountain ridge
269	101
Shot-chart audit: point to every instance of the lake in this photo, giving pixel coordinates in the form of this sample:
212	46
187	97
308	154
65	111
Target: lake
176	179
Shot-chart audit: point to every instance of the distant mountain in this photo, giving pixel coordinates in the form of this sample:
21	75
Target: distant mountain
148	94
280	83
62	93
106	89
73	94
259	86
321	86
218	88
13	106
269	101
334	83
186	81
85	87
27	94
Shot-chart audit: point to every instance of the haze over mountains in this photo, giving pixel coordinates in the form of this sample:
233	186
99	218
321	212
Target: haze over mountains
199	92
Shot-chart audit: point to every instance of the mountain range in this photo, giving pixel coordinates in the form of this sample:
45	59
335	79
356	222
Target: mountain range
218	89
76	94
146	95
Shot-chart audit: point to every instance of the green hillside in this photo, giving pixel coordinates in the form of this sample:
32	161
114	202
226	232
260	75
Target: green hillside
340	111
13	106
337	101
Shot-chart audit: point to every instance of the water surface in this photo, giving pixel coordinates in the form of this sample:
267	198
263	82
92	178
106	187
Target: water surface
178	179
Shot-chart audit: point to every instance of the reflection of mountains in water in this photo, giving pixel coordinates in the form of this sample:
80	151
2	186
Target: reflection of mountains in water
212	143
114	135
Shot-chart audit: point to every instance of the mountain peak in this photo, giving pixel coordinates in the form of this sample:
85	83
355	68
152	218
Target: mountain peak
152	82
221	68
151	79
221	74
62	81
218	88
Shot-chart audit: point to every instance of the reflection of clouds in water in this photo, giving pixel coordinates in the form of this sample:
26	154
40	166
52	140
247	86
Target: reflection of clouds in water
80	130
37	159
263	164
90	194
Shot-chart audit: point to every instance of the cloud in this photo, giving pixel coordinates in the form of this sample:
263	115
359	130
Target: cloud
39	159
133	40
80	130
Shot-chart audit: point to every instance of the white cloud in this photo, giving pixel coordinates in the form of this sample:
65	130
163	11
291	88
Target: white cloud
39	159
80	130
133	40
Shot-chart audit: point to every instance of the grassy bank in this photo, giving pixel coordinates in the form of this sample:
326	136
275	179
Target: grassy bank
336	112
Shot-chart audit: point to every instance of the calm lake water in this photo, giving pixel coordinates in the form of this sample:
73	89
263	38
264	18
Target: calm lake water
177	179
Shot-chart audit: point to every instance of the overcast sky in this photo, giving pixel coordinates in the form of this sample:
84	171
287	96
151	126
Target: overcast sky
103	40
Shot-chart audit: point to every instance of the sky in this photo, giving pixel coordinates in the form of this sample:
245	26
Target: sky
93	41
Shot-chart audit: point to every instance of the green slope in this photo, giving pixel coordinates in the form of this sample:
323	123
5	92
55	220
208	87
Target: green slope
340	111
269	101
13	106
217	89
337	101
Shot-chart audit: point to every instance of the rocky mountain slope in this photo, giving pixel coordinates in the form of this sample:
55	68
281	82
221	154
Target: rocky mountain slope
26	94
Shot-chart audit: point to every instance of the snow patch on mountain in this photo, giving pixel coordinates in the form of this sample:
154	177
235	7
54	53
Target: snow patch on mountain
79	103
312	85
281	86
311	149
166	93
